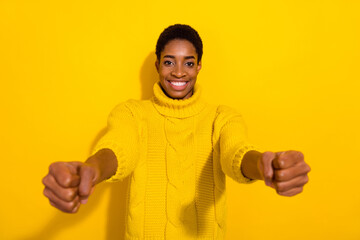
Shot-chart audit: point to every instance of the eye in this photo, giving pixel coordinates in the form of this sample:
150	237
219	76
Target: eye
190	64
168	63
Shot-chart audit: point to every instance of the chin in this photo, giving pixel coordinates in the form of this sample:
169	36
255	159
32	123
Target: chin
180	94
176	94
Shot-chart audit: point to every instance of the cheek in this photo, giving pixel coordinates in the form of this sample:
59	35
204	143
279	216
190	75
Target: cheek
193	74
163	73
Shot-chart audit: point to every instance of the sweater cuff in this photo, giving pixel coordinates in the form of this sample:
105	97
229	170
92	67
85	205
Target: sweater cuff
121	169
239	176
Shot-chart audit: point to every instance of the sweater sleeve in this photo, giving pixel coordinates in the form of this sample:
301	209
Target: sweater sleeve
233	143
123	138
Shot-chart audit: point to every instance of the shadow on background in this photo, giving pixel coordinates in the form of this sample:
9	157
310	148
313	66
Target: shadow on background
62	221
148	76
118	191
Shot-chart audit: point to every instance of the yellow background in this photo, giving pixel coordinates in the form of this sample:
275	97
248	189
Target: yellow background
290	67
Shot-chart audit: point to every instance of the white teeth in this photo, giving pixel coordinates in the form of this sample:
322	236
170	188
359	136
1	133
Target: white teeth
178	83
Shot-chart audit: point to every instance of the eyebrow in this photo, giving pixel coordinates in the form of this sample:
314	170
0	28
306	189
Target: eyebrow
173	57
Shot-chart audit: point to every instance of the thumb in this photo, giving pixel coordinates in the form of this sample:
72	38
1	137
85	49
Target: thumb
87	181
266	167
278	163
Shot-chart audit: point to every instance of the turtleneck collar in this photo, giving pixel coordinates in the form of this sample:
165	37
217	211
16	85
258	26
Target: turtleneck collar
177	107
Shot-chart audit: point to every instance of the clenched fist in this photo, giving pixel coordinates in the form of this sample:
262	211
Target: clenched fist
284	171
69	184
287	172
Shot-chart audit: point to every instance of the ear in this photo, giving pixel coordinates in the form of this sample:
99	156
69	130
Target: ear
157	65
198	67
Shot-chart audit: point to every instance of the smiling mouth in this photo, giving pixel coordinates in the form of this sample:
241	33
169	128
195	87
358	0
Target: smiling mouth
177	83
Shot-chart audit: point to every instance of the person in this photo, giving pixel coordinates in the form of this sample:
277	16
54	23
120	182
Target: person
177	151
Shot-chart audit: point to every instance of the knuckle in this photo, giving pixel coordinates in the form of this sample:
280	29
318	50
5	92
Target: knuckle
283	194
281	162
278	187
67	210
70	206
64	180
45	192
69	194
287	193
45	180
55	205
53	166
281	187
299	155
294	192
280	175
306	179
75	210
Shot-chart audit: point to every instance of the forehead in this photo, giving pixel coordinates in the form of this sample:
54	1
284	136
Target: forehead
179	47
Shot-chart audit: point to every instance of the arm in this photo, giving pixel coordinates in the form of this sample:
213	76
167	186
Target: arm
231	134
284	171
123	138
105	163
69	184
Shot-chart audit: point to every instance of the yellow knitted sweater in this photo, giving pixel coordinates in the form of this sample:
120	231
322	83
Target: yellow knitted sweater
177	153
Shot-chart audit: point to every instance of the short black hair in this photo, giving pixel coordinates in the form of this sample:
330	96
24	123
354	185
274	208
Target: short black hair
179	31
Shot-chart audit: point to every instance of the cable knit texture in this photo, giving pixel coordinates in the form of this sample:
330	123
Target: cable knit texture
177	153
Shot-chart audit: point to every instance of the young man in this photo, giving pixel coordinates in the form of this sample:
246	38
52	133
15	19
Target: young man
177	150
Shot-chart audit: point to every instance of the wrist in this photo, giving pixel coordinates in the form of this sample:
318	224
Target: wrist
104	162
250	165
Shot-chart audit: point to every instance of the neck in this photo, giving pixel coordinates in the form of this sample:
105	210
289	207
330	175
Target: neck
179	108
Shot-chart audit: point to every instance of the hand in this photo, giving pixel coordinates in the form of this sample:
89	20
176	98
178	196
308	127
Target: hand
284	171
69	184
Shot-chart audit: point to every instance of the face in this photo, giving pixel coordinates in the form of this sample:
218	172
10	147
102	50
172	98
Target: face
178	68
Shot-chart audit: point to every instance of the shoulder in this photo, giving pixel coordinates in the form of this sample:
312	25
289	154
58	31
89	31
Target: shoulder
135	107
227	116
226	113
223	109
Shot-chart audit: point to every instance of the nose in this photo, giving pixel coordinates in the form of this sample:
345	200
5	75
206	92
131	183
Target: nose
178	72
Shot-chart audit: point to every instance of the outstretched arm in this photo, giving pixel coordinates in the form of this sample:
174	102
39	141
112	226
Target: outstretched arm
69	184
284	171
